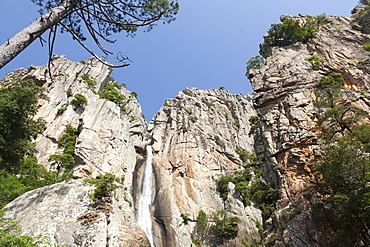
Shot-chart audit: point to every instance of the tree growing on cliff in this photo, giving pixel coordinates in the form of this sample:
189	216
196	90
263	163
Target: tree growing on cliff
216	230
18	107
290	32
11	235
19	171
99	18
345	169
225	227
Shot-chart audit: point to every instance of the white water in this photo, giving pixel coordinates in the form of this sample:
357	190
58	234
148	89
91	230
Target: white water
144	216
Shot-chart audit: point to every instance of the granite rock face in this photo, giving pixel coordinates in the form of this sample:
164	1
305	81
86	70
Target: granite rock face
287	142
108	137
65	214
194	140
193	136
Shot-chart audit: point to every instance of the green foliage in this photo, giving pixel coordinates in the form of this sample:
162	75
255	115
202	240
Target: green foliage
255	243
11	235
69	92
315	62
359	18
366	47
79	101
209	104
184	129
223	186
89	81
345	167
128	201
202	222
201	228
291	214
110	92
321	19
219	142
237	123
30	176
63	160
18	106
222	88
254	123
329	90
196	242
251	190
241	181
193	119
133	118
263	196
254	63
334	117
104	185
134	94
290	32
168	112
253	119
19	171
188	111
245	156
68	139
226	227
259	227
345	184
107	18
10	187
223	228
63	163
185	218
61	110
333	80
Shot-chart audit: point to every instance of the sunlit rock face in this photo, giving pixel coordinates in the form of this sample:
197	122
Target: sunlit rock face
287	142
194	140
194	137
65	214
108	137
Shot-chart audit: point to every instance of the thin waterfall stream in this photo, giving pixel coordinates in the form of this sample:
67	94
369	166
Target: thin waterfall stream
144	216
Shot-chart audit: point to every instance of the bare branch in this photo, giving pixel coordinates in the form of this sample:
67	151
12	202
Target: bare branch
91	52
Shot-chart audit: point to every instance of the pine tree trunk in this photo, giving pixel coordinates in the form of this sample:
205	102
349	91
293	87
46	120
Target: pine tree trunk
15	45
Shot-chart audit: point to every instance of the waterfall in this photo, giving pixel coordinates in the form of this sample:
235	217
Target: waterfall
144	216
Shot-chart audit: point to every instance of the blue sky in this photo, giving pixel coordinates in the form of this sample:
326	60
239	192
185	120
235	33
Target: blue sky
206	47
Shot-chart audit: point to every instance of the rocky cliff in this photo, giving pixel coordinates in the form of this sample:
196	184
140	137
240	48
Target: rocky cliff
195	138
287	143
108	137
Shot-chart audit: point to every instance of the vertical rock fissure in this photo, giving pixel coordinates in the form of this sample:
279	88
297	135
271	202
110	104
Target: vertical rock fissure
144	215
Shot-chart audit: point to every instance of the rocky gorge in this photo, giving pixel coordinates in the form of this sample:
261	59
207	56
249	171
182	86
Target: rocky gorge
196	138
